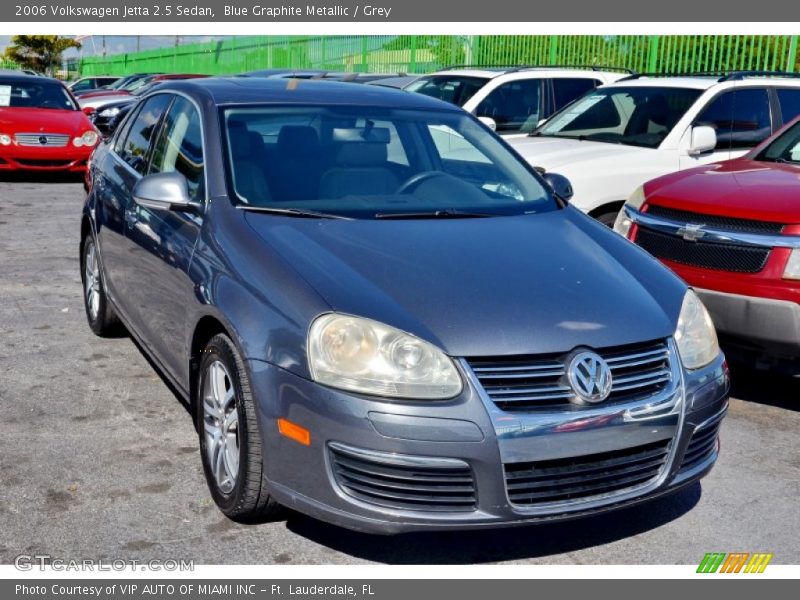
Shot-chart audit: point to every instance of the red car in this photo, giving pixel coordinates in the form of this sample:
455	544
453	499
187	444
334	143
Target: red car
41	126
732	231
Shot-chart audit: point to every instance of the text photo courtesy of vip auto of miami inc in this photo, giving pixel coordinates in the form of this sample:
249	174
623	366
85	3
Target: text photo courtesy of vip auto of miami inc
364	299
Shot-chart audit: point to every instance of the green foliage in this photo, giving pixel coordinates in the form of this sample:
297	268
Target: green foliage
41	53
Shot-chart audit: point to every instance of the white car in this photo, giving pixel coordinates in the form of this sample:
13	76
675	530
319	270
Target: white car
513	100
617	137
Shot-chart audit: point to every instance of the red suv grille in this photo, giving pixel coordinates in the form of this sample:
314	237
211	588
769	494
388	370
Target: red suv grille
722	257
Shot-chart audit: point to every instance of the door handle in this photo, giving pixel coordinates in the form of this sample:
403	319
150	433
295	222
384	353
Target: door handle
131	217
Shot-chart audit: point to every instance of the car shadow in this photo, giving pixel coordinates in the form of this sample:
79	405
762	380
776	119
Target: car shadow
40	177
765	387
494	545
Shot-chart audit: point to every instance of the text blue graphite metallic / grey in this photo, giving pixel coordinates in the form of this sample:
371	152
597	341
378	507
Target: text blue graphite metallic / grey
384	318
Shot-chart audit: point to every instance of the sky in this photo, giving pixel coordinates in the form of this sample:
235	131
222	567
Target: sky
118	44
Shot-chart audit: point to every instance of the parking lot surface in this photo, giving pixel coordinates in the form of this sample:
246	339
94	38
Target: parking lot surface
98	459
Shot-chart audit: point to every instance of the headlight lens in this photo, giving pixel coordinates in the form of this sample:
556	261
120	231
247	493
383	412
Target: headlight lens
695	335
109	112
5	139
792	270
89	138
623	224
361	355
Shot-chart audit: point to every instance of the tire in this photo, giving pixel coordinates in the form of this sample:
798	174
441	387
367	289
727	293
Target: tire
231	450
607	218
99	313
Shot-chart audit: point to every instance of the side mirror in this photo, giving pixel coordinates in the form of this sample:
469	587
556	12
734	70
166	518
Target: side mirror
489	122
87	110
560	184
702	139
164	191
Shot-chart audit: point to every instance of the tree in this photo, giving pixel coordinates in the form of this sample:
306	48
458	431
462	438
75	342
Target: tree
39	52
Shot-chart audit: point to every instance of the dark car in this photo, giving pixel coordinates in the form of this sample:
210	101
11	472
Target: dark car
381	316
85	84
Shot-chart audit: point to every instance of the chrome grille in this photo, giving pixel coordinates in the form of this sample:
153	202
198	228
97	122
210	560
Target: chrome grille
529	383
583	477
53	140
404	482
721	222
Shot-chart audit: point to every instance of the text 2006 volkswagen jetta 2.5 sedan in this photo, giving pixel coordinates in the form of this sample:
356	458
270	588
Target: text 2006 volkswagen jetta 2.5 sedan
382	317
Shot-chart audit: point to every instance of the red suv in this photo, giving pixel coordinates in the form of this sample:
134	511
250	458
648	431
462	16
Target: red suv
732	231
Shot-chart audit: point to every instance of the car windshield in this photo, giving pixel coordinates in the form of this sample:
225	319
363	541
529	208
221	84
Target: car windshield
635	116
455	89
38	93
785	148
371	162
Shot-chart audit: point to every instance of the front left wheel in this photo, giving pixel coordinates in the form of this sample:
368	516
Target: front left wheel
230	440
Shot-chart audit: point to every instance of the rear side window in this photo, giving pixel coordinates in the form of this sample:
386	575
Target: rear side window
180	146
515	106
741	118
133	145
789	101
568	89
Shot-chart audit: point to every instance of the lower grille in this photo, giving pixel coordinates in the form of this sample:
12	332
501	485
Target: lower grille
404	482
582	477
51	140
702	445
30	162
708	255
528	383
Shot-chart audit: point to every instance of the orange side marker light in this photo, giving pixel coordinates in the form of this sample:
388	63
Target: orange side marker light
294	432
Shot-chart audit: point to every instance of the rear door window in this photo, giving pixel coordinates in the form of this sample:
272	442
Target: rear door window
570	88
789	101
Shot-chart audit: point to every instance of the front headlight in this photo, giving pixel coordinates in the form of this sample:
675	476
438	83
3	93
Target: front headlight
623	224
792	269
109	112
89	138
361	355
695	335
5	139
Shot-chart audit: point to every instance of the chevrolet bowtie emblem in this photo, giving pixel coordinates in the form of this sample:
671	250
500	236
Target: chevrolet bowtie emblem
691	232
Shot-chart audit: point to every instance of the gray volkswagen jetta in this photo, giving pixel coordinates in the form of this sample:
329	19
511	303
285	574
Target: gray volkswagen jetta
381	316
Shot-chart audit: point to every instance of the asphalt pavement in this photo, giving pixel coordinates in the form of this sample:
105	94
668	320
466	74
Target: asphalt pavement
98	459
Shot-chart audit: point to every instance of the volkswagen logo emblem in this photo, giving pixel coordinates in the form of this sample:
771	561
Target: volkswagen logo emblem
590	378
43	139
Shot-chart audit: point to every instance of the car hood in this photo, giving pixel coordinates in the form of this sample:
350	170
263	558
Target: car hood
43	120
486	286
554	154
741	188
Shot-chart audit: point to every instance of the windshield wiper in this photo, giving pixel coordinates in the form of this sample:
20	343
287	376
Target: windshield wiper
291	212
434	214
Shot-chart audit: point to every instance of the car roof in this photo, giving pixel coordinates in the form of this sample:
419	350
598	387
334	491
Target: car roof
694	82
13	77
248	90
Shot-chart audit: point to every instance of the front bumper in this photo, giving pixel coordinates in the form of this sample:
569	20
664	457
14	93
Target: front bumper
772	326
466	432
67	158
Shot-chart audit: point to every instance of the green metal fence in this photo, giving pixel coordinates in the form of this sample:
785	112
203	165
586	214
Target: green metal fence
424	53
